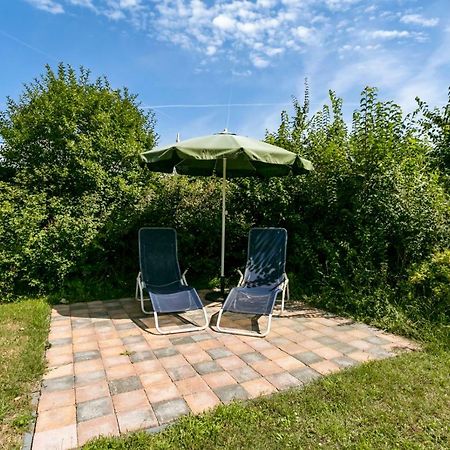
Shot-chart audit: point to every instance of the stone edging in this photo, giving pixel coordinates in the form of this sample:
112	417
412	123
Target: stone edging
27	440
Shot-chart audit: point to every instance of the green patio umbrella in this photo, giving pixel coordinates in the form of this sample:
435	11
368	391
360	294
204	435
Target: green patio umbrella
225	155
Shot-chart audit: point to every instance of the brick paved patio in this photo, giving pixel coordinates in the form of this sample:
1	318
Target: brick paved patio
109	373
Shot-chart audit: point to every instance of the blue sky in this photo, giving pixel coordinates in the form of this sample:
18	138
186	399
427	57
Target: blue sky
187	59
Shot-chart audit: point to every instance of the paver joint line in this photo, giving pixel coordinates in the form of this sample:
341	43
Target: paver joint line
107	368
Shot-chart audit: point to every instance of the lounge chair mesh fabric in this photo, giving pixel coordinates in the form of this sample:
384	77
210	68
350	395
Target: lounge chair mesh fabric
263	274
161	272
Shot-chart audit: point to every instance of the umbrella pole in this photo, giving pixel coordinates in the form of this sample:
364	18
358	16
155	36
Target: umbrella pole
222	256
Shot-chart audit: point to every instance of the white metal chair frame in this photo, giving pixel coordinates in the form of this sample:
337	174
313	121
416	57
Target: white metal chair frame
283	286
139	295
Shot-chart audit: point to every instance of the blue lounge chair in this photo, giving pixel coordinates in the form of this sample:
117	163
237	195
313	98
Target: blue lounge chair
160	280
263	280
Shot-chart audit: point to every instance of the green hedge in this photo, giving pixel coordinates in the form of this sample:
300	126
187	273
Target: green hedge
71	183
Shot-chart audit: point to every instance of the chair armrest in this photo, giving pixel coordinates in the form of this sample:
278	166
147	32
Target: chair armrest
183	277
139	280
241	279
285	281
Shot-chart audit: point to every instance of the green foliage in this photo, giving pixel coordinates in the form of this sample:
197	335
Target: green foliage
71	181
374	206
436	126
20	218
429	283
193	207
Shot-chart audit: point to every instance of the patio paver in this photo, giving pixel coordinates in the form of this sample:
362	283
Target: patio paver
109	372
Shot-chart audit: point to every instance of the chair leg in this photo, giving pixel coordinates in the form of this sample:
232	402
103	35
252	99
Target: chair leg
141	290
138	285
242	332
181	330
284	295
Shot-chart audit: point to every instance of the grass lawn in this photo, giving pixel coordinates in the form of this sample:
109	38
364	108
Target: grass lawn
23	333
402	402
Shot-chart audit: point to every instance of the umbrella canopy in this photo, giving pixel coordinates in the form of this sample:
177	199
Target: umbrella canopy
246	157
226	155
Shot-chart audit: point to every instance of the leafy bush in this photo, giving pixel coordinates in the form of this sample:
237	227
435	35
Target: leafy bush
374	206
429	284
435	125
71	181
193	207
21	216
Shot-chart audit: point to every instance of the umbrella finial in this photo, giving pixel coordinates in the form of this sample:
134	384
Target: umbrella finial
225	131
178	137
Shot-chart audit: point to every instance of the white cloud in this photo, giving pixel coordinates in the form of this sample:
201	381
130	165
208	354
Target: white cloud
391	34
128	4
248	27
273	51
241	73
237	29
259	62
266	3
340	4
303	33
417	19
83	3
319	18
114	14
47	5
224	22
256	32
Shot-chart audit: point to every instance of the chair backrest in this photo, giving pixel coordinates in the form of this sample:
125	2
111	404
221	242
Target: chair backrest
266	260
158	259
